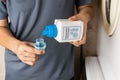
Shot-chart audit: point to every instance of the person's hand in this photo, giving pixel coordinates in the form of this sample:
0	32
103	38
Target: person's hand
83	40
26	52
85	14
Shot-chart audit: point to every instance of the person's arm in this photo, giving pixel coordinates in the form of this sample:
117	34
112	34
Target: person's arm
6	38
25	51
85	14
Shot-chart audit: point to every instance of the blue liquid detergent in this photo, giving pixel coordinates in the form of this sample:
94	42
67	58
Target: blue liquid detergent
40	44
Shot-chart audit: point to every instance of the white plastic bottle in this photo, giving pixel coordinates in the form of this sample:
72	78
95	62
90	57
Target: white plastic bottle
64	30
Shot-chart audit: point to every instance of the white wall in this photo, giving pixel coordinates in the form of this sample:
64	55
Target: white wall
2	71
108	50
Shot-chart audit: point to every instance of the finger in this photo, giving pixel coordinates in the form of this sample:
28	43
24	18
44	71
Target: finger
29	63
28	54
26	62
30	59
73	18
32	44
78	43
33	50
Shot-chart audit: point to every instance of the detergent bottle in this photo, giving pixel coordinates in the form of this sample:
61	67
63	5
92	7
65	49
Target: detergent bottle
64	30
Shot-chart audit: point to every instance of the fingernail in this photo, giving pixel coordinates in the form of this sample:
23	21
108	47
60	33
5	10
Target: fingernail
43	52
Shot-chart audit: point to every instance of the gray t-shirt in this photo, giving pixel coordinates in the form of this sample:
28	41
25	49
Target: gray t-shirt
27	20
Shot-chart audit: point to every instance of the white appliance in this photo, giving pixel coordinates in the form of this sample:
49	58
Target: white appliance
106	66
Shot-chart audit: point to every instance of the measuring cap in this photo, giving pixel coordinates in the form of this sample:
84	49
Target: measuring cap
40	44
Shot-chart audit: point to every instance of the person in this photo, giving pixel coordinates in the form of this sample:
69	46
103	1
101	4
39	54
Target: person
22	21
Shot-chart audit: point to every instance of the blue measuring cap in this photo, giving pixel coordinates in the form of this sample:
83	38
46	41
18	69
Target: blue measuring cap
50	31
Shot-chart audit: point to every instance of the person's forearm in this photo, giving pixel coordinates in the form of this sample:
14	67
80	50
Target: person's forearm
7	39
25	51
87	12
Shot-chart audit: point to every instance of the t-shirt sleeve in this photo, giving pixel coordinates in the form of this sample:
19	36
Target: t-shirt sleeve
3	10
82	2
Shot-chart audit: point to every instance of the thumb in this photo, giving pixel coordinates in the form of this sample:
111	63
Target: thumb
30	44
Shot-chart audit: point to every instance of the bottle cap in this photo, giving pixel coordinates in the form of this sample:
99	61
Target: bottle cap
50	31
